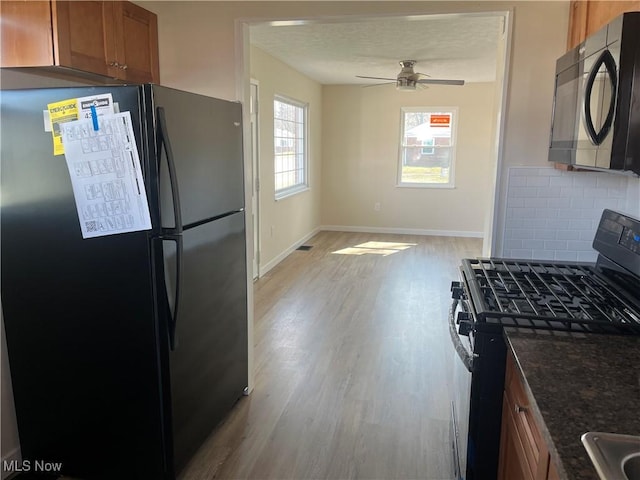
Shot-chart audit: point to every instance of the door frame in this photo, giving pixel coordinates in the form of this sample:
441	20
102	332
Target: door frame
254	128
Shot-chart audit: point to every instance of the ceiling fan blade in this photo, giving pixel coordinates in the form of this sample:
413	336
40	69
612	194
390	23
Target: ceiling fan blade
440	82
378	84
377	78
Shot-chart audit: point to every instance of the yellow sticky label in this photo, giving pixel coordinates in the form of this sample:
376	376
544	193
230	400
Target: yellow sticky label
61	112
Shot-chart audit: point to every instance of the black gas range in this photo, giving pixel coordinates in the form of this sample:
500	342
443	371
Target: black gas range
561	298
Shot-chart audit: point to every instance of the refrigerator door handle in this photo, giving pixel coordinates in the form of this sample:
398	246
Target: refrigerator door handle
171	234
163	140
173	315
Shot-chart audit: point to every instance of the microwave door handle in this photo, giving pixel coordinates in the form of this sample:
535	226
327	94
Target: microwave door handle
608	61
610	65
588	120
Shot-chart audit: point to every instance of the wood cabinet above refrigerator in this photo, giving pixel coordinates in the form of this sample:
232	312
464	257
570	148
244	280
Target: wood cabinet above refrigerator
113	39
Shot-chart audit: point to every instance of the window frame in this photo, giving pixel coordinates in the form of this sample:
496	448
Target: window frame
304	185
454	146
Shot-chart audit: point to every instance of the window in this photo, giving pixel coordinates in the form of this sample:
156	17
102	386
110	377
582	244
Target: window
290	146
427	147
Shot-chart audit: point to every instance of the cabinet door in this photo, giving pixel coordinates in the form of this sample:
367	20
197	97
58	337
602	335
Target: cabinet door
523	452
553	472
135	38
512	462
527	429
81	28
577	23
25	37
602	12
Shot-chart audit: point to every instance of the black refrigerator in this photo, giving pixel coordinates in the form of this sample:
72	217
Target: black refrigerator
125	350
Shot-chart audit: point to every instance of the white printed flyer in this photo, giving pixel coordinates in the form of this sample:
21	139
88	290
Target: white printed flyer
102	158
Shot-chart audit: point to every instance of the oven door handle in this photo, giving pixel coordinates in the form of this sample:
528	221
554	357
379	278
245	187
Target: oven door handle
465	356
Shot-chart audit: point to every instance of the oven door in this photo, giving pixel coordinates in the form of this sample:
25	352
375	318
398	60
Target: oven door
462	357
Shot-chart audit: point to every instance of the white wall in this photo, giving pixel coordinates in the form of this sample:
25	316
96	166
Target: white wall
287	222
360	161
538	38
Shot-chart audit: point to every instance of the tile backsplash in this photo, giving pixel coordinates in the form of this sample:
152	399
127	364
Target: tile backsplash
553	215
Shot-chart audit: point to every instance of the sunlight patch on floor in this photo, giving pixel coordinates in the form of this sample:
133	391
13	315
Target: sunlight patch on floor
375	248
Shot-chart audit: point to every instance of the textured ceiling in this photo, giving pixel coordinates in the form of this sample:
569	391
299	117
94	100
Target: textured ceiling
459	47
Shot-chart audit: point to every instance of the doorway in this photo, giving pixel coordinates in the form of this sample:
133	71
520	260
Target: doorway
275	39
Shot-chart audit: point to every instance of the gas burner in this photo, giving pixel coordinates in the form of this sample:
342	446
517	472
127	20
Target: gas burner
547	295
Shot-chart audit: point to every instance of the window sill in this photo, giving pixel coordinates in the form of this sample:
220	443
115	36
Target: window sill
447	186
291	192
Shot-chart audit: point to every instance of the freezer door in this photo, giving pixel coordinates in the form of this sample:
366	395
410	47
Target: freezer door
205	135
208	366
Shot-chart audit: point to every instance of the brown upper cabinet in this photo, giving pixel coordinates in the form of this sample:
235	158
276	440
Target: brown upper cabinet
577	23
110	38
587	17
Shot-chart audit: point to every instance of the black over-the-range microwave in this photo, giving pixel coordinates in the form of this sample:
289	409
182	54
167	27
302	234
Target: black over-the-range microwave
596	107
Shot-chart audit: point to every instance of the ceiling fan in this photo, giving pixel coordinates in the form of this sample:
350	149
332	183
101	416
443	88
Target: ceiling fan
407	79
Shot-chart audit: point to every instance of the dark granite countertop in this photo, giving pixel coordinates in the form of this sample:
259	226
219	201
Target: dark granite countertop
578	384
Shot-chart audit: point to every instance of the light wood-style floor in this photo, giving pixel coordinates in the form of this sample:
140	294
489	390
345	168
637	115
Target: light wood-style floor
353	362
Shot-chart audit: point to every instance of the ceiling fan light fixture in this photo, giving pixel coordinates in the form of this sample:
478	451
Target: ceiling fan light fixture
408	80
405	84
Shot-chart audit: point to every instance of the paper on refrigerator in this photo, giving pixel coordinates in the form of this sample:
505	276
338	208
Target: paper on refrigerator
75	109
106	176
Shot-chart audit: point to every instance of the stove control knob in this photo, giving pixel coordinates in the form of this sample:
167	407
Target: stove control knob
465	327
463	317
456	290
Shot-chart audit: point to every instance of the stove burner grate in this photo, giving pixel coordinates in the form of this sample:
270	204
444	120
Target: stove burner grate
547	295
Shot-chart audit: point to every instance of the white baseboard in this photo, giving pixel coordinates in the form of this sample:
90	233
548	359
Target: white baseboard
346	228
269	265
11	456
402	231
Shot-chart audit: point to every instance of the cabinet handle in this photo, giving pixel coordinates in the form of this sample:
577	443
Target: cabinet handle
114	64
520	408
124	67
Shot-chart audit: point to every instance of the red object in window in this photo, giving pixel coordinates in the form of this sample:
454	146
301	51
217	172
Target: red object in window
440	120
